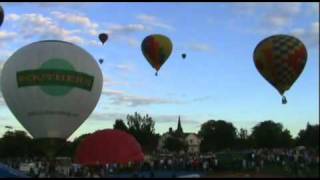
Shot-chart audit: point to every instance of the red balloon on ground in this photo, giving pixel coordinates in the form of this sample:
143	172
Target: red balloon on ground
109	146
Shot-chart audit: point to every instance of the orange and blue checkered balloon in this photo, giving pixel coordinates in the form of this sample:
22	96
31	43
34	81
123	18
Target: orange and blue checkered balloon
280	59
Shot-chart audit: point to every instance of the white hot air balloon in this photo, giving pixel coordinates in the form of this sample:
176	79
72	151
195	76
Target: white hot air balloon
51	87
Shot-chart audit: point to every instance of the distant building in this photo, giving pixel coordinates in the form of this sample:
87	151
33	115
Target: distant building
192	139
193	142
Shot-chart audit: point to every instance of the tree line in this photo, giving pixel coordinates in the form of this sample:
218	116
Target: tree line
216	135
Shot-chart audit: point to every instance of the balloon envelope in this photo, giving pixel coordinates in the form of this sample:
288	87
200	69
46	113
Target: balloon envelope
156	49
1	15
51	87
280	59
109	146
184	55
103	37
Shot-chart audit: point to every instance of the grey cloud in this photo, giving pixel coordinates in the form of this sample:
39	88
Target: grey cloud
81	20
34	25
105	116
173	118
154	21
280	16
200	99
122	98
201	47
7	36
309	35
273	17
129	28
124	67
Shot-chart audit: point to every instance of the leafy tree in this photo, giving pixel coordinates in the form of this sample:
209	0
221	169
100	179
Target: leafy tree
66	150
243	141
309	137
269	134
15	144
120	125
138	123
243	134
286	139
142	128
48	147
217	135
175	144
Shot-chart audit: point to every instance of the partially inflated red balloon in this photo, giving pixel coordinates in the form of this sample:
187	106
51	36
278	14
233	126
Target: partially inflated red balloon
109	146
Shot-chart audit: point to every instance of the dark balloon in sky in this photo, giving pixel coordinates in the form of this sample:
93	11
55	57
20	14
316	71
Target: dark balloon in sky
1	15
103	37
184	55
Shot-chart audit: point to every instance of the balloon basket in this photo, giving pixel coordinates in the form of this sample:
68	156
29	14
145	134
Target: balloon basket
284	100
50	146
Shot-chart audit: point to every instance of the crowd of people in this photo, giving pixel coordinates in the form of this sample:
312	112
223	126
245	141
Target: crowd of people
292	161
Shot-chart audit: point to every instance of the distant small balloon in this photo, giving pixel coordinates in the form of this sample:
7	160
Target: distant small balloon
103	37
184	55
100	61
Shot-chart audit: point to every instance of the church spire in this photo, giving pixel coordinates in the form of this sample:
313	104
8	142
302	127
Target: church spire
179	130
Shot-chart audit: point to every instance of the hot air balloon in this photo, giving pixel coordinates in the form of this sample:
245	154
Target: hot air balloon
109	146
51	87
1	15
183	55
100	61
156	49
103	37
280	59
